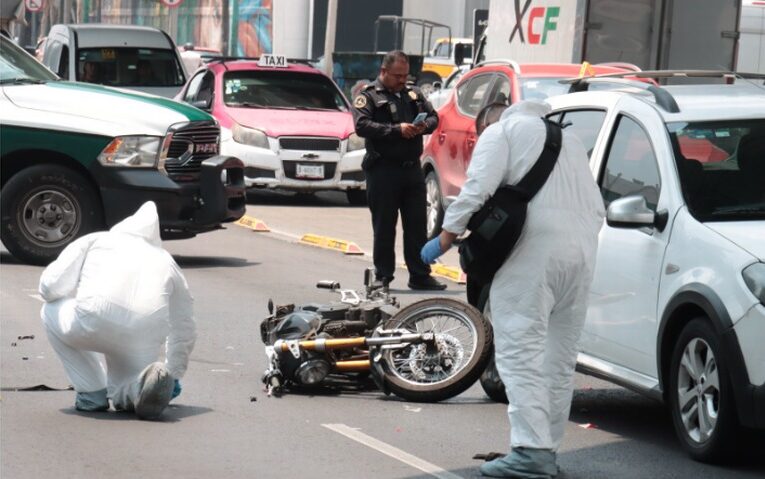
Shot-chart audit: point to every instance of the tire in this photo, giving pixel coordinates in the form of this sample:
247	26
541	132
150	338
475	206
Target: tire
434	205
399	379
44	208
357	197
425	82
490	381
698	348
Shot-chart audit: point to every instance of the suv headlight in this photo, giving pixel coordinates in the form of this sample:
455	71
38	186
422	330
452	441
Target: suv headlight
136	151
355	142
754	277
249	136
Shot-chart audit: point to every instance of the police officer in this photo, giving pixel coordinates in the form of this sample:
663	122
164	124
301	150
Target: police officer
384	113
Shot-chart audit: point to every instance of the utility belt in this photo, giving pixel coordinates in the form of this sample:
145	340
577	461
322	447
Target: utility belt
372	158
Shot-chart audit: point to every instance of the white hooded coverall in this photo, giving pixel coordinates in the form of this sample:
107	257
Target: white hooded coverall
112	300
538	297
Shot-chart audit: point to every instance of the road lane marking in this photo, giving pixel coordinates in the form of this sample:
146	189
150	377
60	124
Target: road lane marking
391	451
37	297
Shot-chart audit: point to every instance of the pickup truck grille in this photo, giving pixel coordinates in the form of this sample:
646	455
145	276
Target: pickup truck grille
191	144
309	143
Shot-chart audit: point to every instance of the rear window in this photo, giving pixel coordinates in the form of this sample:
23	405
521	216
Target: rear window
283	90
129	67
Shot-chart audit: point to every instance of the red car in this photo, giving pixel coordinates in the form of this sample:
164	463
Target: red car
449	149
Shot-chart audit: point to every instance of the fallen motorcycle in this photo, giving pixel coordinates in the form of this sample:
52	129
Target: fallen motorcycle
428	351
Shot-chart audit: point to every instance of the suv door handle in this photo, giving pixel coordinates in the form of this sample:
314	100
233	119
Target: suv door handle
471	142
441	137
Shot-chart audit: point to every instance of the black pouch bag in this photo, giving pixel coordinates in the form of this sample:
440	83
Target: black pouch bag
496	227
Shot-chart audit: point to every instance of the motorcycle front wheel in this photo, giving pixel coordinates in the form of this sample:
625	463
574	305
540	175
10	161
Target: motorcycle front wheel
463	342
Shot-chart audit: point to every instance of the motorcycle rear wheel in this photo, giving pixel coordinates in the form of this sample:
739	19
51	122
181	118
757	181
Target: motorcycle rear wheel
464	341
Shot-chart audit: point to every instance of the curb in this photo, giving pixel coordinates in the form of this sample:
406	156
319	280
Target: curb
346	247
449	272
252	223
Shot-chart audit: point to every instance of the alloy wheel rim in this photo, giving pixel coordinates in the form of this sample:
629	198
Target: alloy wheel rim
433	200
50	217
698	390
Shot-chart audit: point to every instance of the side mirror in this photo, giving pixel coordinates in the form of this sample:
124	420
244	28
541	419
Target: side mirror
437	85
201	104
632	212
459	54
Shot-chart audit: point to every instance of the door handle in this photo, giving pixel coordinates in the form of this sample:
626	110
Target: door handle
441	137
471	142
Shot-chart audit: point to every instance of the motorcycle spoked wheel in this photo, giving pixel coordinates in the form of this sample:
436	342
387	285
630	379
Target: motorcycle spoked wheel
464	342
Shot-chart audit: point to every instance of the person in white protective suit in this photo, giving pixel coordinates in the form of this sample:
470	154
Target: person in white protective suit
112	300
538	297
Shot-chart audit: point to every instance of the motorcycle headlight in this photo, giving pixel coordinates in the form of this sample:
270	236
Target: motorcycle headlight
754	277
249	136
312	372
135	151
355	142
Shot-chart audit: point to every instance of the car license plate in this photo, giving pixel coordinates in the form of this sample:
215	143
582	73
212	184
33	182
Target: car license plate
310	171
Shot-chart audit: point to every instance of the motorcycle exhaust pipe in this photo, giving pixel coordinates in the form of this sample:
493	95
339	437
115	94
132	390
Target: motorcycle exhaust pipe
323	344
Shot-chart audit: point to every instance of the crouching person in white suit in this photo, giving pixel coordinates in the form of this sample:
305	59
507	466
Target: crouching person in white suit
112	300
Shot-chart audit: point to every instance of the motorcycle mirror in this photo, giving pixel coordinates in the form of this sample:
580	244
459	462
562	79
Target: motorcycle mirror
270	306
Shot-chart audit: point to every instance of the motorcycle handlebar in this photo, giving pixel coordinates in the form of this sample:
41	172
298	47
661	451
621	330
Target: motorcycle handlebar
328	284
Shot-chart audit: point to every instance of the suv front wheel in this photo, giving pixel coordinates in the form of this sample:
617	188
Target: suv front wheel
700	394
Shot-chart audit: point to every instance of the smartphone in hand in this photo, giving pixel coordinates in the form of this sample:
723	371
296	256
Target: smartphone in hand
419	118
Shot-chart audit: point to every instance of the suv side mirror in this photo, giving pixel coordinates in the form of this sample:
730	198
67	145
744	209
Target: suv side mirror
630	212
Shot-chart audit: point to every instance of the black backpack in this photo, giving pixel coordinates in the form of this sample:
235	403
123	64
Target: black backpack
496	227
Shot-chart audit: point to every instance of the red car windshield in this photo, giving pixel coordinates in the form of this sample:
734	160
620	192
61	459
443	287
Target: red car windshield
281	89
722	168
541	88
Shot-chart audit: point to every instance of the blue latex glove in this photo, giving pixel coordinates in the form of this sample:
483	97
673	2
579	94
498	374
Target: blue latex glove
431	251
176	389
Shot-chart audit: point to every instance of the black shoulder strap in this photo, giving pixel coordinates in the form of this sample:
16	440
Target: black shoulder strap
537	175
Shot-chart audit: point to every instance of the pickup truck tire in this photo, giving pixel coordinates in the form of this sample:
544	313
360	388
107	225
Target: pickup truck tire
701	396
433	203
44	208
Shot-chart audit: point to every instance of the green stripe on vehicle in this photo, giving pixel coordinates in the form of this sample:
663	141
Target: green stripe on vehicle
82	147
193	114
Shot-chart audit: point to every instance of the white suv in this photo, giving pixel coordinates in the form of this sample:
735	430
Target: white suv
677	305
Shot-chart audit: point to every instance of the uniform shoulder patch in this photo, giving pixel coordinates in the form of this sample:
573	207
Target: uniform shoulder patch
360	101
413	94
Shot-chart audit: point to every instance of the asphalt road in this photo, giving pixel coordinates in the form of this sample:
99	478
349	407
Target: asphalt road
224	425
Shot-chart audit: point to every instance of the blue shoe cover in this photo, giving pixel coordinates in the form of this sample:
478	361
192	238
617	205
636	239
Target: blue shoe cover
523	463
92	401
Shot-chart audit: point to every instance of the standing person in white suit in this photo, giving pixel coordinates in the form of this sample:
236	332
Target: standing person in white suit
113	299
538	297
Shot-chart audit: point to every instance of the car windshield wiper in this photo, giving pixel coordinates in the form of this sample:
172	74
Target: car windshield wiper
314	108
21	81
246	105
743	210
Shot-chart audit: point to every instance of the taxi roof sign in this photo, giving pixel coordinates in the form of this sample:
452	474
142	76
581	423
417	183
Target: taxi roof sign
273	61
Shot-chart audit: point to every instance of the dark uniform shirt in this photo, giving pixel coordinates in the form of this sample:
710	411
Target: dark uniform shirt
378	114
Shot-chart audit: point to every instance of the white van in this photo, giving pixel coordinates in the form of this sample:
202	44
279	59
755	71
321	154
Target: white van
127	56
